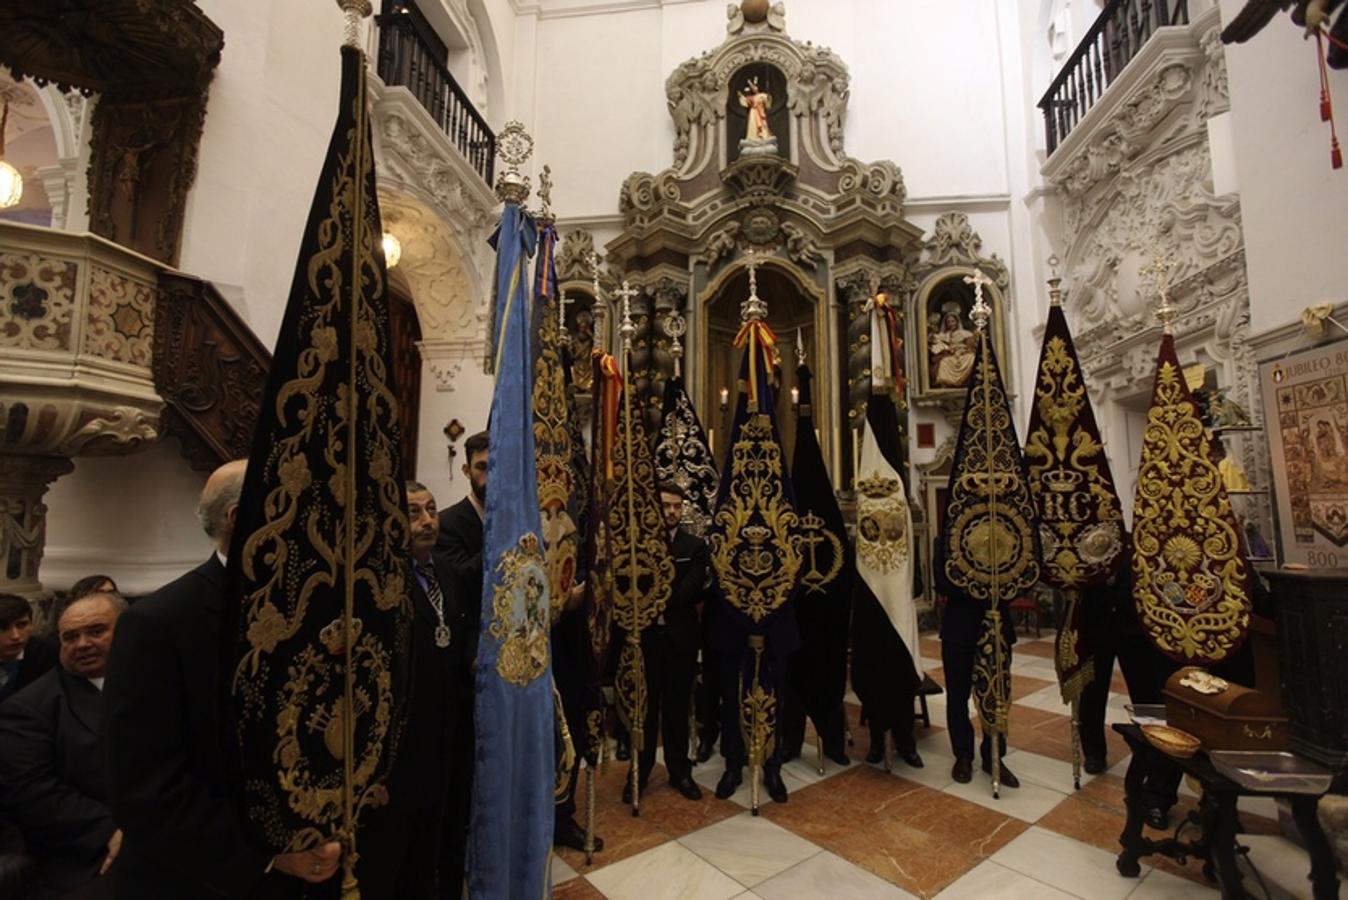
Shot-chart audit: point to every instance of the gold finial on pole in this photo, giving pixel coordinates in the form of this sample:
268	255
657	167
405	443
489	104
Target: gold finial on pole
355	12
981	311
753	309
1158	273
514	146
1054	283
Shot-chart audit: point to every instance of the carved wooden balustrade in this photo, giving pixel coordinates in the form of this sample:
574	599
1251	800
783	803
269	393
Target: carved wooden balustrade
1119	32
103	351
409	56
210	369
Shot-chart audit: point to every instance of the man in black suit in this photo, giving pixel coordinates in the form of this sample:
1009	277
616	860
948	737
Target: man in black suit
51	771
460	543
22	659
961	624
399	844
164	739
670	646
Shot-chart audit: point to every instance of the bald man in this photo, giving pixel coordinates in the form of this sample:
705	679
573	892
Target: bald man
165	749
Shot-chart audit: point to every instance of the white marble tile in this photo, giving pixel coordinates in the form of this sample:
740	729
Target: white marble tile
747	895
1048	699
827	875
1120	768
749	850
934	774
561	872
1259	806
1043	770
803	771
935	743
1283	865
1067	865
709	773
1029	802
991	881
1158	885
668	872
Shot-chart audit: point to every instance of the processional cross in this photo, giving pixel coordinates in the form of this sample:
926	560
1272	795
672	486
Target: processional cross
981	311
1158	271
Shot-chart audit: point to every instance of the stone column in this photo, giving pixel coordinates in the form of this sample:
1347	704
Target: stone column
23	519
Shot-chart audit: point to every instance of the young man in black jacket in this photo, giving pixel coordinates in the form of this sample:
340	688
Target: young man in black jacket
670	647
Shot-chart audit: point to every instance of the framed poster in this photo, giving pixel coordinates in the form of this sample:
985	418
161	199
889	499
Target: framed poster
1305	398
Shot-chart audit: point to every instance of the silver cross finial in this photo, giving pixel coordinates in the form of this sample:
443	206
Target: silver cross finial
545	193
1158	273
1054	283
981	311
562	301
753	309
676	327
800	348
627	329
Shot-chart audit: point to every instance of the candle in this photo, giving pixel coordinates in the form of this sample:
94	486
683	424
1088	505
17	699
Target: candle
795	396
725	397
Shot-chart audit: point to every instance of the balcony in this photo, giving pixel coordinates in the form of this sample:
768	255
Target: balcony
1120	32
407	58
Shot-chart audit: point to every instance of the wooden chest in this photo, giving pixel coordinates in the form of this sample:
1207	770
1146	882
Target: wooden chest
1237	718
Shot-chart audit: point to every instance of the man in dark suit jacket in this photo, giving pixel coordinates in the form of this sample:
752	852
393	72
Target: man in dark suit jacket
399	844
51	771
460	544
670	647
164	739
23	658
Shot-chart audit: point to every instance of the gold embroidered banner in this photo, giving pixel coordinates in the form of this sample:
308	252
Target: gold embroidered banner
1080	517
641	568
990	539
552	432
1190	576
317	615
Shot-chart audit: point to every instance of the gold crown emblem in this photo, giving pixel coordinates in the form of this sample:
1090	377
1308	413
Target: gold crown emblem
1062	481
812	522
756	534
877	486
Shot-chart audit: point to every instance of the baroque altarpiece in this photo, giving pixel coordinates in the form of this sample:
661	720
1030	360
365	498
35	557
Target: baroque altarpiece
761	180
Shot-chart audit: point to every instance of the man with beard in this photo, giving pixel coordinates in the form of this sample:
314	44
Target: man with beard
399	843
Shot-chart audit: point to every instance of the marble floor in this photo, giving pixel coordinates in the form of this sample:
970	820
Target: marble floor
859	832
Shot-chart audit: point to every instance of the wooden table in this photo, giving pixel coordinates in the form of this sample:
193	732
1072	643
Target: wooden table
1218	820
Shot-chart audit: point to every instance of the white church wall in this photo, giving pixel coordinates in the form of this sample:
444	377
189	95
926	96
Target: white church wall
268	122
130	517
926	90
1294	207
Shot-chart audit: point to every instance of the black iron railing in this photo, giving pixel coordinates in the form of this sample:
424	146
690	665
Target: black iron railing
1115	38
406	58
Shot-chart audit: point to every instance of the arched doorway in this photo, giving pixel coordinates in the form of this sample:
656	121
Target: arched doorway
792	311
404	334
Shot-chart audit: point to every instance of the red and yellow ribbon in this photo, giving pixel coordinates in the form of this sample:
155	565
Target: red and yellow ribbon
609	393
889	320
761	340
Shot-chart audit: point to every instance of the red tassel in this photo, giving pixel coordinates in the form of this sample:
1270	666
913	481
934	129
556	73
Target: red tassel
1336	155
1326	110
1326	105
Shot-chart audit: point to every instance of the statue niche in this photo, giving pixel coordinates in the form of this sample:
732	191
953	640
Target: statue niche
758	121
